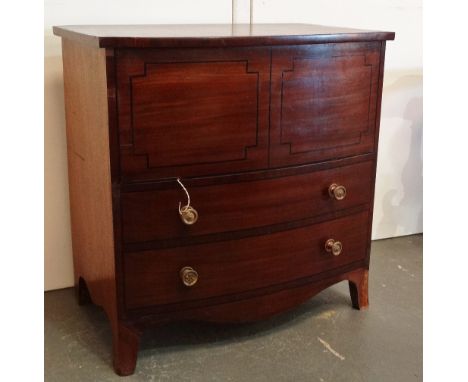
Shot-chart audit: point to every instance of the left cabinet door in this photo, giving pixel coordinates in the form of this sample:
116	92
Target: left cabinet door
192	112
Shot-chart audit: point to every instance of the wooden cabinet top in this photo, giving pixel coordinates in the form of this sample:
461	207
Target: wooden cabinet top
213	35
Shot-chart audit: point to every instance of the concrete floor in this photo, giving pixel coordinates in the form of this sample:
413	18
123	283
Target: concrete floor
323	340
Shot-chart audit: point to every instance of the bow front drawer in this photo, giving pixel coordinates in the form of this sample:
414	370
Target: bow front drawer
154	215
215	269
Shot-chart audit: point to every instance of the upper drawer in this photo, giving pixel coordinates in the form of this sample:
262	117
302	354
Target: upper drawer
324	101
186	112
153	215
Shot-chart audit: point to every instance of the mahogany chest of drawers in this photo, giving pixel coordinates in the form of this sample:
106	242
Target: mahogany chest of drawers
219	172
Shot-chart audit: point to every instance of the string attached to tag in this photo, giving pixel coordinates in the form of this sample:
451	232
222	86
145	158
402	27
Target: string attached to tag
188	196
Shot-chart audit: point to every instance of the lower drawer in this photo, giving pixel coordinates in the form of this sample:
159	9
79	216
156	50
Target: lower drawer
229	267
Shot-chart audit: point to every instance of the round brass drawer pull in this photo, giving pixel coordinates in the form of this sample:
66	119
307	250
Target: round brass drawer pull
189	276
187	213
337	192
334	247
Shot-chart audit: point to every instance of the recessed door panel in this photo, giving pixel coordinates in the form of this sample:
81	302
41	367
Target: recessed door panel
323	102
186	113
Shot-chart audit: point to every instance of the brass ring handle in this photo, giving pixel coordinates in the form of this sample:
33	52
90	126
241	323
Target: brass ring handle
189	276
337	192
333	246
187	213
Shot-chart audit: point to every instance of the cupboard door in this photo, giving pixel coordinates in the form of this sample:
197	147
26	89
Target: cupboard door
323	101
192	112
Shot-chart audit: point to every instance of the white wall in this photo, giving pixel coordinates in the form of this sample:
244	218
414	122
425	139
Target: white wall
398	199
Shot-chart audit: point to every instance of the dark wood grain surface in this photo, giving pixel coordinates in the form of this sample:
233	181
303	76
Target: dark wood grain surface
153	215
192	112
323	101
252	305
213	35
185	112
258	121
152	277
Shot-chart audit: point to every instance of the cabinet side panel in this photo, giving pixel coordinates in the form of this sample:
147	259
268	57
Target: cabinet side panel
376	144
89	171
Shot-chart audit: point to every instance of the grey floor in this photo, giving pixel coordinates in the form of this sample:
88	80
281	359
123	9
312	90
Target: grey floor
323	340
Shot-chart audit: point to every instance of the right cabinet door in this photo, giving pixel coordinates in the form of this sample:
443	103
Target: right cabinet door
324	102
